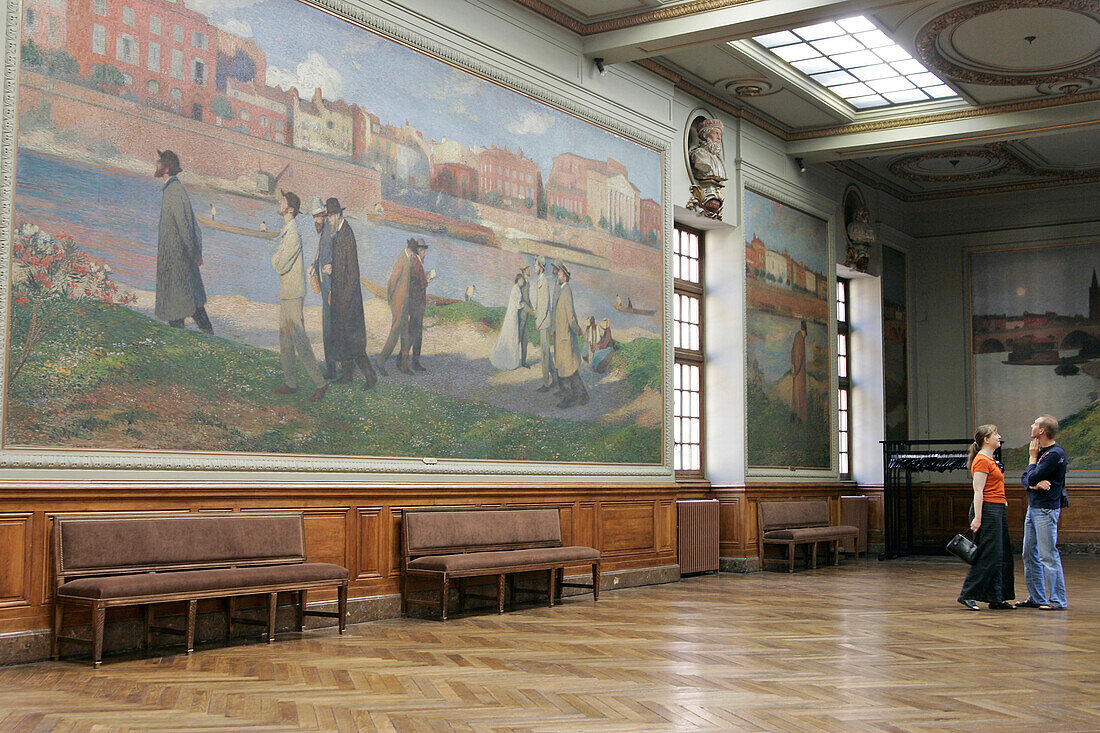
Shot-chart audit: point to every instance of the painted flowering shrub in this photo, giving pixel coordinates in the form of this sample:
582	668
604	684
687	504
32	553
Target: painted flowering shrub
49	269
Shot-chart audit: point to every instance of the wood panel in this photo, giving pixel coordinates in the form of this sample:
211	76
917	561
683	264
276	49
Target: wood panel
372	534
16	559
666	525
628	527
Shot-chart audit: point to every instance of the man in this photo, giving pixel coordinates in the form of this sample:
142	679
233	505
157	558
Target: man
566	329
293	340
525	310
799	403
545	300
320	273
346	298
1045	481
180	292
406	294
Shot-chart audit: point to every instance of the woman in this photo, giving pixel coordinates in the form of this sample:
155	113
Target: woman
506	353
990	577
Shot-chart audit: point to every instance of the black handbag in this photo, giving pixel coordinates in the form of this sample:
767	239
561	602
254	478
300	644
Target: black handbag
963	548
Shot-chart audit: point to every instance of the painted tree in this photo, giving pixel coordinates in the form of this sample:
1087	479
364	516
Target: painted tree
50	271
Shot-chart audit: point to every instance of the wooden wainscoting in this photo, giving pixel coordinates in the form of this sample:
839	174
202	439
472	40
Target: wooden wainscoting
354	525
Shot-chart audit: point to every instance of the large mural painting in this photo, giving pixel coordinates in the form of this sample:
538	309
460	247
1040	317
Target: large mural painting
1036	346
253	227
787	336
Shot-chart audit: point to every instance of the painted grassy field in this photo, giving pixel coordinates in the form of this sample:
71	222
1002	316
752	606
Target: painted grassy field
111	378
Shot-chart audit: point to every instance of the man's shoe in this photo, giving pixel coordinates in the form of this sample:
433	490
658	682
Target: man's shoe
972	605
544	388
1028	604
319	394
285	390
418	367
1002	606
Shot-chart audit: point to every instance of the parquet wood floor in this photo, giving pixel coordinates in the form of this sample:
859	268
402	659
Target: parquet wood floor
866	646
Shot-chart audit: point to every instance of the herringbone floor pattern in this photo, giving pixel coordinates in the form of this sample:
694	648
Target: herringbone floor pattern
866	646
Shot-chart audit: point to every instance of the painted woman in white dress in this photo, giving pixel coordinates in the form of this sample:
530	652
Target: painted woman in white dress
506	354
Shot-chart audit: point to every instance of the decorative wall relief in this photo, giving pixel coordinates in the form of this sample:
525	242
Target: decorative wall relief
788	378
185	169
859	230
1036	346
706	162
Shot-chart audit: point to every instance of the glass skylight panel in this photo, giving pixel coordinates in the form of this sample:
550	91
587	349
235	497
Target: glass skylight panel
821	30
796	52
858	62
819	65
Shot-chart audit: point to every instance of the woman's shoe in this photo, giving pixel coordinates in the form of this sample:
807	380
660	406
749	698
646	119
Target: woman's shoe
1002	606
972	605
1028	604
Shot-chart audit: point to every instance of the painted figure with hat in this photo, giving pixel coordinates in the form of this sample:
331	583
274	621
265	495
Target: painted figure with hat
293	339
320	278
506	353
349	342
546	297
525	311
599	344
566	354
180	292
708	168
407	296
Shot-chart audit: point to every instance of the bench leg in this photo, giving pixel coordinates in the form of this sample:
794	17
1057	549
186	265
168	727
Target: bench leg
836	552
342	606
790	558
189	631
147	618
595	581
272	603
500	593
813	554
99	618
443	597
228	619
301	620
58	617
550	575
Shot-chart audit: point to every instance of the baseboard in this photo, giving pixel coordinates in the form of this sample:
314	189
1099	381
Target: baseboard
738	564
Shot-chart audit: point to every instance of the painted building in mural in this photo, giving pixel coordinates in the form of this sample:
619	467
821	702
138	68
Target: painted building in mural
45	22
320	125
259	111
649	220
509	177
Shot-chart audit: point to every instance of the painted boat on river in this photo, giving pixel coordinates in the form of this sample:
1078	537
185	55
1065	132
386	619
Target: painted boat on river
220	226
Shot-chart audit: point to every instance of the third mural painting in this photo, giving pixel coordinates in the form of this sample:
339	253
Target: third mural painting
787	336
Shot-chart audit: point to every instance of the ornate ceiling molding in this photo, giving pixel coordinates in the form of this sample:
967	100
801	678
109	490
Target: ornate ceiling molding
933	50
681	10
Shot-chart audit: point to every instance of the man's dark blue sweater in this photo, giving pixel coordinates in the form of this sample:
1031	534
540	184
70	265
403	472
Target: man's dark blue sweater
1051	466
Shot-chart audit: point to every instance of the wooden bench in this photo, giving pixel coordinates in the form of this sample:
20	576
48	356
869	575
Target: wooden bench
454	544
105	561
795	523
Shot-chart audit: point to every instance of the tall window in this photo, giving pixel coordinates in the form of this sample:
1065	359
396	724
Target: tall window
99	39
128	16
844	379
153	57
154	25
99	7
176	70
687	375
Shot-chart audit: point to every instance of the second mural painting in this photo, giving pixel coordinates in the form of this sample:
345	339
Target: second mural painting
787	336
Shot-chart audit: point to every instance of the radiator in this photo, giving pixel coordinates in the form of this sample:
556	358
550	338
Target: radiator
697	535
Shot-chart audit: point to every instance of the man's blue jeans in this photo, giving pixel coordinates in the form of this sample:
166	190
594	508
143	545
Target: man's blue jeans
1042	562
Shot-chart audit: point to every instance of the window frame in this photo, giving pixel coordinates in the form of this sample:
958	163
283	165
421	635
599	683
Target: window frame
692	357
844	383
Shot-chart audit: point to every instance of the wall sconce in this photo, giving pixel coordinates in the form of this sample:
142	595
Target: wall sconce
599	66
801	165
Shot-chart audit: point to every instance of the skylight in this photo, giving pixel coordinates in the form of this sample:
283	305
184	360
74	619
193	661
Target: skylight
856	61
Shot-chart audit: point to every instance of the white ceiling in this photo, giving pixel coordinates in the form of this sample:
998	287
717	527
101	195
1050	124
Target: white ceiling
1027	71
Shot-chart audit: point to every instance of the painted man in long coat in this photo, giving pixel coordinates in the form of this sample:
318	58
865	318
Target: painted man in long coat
346	300
567	360
320	276
799	400
180	293
545	300
525	309
407	283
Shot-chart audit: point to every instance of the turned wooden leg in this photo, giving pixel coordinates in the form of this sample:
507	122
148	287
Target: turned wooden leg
500	593
443	597
342	606
404	594
58	617
595	581
813	554
550	574
147	619
228	618
790	558
301	620
272	604
189	630
836	552
99	618
560	578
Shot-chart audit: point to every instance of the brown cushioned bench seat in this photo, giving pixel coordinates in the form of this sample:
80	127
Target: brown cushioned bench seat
447	544
104	561
799	523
